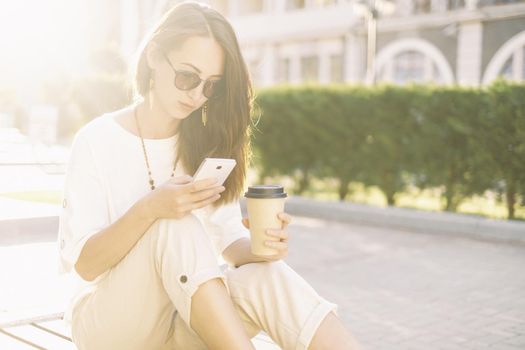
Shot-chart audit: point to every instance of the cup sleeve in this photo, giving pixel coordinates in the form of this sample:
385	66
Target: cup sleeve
84	207
224	226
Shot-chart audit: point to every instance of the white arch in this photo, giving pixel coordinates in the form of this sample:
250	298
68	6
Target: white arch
502	55
392	50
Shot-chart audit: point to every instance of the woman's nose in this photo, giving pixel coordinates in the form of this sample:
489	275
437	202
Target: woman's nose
197	92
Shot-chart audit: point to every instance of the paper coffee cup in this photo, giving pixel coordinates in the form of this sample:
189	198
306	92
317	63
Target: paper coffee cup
264	202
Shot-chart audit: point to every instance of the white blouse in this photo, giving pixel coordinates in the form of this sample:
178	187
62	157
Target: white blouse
107	174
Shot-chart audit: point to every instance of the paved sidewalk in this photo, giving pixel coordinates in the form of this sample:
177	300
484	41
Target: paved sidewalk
396	289
404	290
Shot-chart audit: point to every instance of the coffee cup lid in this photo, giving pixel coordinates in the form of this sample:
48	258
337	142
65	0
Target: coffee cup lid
265	191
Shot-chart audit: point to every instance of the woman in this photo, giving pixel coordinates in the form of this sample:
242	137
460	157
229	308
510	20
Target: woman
143	240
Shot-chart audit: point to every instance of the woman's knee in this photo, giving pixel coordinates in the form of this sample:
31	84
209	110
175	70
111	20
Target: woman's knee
255	274
188	223
183	242
170	229
261	269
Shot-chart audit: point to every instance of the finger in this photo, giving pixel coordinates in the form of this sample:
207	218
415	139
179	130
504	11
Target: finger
281	234
204	202
193	200
199	185
246	222
210	192
180	180
281	246
285	218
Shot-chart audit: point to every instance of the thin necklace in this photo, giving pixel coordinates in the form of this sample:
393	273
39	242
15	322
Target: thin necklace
151	181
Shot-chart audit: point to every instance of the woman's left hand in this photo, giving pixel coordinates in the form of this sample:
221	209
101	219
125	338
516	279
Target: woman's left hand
281	245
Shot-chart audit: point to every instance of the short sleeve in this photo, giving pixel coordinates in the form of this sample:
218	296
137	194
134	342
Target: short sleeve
224	225
84	208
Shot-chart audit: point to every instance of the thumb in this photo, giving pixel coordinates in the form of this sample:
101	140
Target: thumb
246	222
180	180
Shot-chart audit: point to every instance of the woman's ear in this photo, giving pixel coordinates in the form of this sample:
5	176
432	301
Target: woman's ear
153	55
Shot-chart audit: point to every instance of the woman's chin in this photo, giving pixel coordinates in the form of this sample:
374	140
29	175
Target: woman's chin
180	115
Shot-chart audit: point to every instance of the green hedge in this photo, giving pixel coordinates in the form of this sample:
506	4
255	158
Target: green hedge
465	140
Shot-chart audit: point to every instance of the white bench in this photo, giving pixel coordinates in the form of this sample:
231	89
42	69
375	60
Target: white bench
50	333
32	295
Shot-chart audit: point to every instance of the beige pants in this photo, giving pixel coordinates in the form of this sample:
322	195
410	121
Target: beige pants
144	301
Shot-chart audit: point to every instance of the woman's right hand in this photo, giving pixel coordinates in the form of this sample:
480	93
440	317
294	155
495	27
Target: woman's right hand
179	195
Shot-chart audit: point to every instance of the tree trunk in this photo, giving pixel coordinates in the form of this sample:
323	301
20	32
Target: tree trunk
304	182
510	195
389	188
391	198
449	194
343	188
450	205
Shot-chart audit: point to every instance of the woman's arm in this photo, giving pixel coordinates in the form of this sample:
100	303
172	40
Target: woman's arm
106	248
239	252
174	199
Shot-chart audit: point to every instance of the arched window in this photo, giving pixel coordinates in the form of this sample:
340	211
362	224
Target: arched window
412	60
410	66
509	61
514	66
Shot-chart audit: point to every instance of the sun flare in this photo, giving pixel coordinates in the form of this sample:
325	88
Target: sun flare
41	39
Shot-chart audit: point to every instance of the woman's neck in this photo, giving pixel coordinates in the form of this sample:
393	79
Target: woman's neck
155	123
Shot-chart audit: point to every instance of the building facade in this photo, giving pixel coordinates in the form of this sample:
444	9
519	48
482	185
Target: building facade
468	42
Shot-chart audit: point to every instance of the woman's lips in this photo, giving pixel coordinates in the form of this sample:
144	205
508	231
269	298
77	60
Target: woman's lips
187	106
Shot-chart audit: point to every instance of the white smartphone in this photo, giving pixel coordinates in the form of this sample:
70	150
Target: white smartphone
219	168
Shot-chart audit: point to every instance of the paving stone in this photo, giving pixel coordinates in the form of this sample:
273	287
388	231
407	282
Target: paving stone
462	291
395	289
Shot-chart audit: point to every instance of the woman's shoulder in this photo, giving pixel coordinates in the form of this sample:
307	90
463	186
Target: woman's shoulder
100	126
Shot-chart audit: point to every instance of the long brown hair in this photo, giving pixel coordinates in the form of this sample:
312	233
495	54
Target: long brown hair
227	132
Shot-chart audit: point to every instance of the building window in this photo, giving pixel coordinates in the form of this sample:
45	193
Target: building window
422	6
282	75
294	4
506	71
498	2
410	66
514	66
523	63
336	68
456	4
310	69
247	7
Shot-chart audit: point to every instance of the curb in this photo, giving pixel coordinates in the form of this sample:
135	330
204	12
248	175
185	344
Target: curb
441	223
28	230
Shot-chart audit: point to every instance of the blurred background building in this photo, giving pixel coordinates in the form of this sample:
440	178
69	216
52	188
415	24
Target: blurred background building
65	61
469	42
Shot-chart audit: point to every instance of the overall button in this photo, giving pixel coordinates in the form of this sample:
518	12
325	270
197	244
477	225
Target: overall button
183	278
62	244
64	203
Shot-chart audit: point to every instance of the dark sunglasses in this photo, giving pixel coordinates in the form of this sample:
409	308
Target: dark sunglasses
186	80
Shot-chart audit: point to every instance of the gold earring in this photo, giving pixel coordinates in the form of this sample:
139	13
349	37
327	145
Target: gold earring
150	94
204	114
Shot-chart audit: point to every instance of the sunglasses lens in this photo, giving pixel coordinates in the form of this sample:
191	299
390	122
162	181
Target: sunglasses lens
189	80
211	88
186	80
